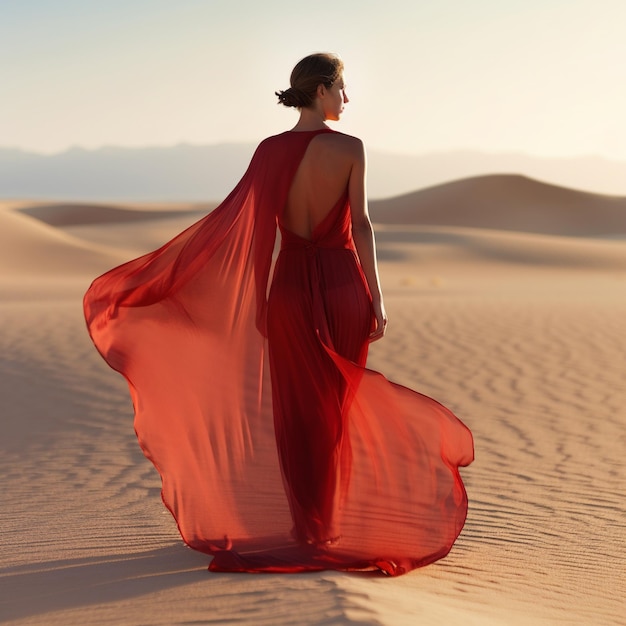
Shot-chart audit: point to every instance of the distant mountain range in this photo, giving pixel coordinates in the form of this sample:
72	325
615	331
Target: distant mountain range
190	173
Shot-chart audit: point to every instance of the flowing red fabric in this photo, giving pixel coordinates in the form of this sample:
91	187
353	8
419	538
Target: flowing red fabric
277	449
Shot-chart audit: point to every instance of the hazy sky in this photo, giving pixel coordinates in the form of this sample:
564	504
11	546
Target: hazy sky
546	77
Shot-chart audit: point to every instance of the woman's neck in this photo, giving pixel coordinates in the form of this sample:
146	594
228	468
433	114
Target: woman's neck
310	119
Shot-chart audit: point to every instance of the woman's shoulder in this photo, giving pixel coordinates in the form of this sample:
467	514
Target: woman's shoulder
348	147
341	144
330	134
344	140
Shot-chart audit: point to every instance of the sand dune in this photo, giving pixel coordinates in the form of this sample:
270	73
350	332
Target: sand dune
500	202
73	214
507	202
521	334
443	246
30	247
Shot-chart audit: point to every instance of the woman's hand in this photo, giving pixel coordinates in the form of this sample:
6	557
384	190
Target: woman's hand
381	321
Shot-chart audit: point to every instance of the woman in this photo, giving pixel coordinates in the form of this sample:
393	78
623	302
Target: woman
278	450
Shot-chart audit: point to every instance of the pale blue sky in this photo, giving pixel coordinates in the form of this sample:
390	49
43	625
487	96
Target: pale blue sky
545	77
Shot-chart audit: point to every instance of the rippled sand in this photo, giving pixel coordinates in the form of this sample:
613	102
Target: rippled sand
522	335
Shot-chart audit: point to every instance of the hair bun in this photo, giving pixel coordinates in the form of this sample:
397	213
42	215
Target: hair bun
293	97
321	68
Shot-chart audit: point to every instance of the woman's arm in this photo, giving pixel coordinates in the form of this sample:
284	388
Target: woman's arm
363	235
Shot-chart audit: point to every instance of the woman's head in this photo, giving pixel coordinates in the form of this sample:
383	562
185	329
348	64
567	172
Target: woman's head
316	76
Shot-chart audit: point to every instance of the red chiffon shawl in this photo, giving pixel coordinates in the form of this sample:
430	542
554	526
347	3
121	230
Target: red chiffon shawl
187	326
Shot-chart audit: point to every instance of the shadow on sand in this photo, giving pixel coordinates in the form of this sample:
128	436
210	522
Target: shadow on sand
66	584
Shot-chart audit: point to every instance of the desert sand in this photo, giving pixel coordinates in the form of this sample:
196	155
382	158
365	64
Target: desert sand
516	322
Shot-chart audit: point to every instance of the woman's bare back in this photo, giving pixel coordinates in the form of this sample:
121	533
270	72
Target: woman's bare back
320	181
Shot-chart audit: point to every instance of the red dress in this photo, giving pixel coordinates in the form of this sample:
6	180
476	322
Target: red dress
277	449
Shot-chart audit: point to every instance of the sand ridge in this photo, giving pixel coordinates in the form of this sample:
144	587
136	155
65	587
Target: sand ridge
31	247
75	214
507	202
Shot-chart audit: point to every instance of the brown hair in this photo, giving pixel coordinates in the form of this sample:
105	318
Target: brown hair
322	68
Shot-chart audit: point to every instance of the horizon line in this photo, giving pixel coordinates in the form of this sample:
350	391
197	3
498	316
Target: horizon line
385	151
